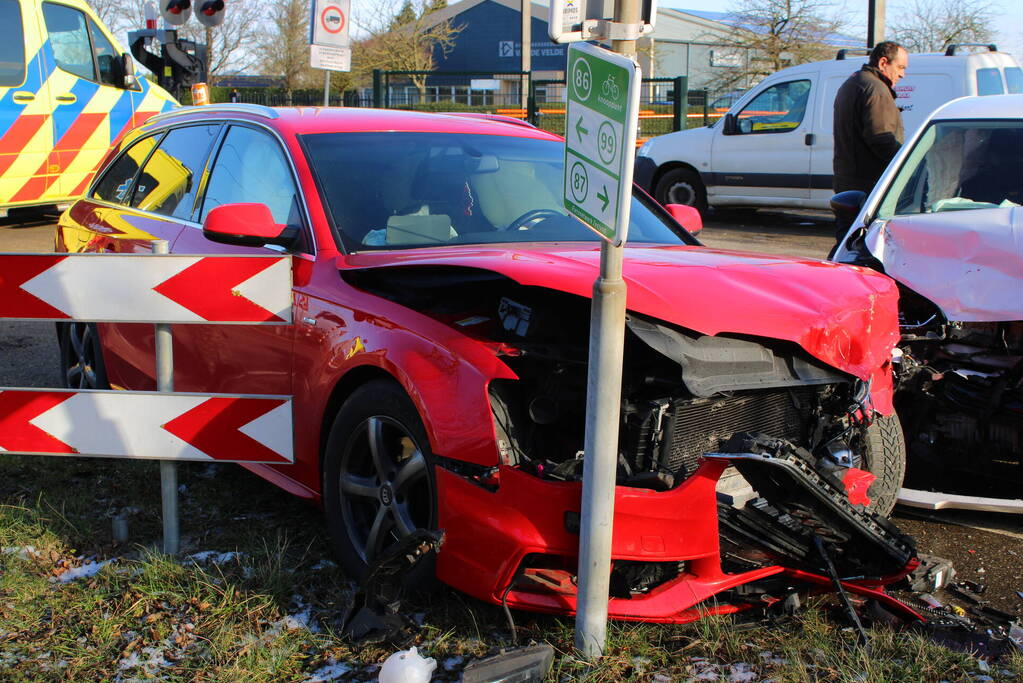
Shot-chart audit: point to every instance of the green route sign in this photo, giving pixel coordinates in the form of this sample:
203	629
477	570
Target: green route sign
600	138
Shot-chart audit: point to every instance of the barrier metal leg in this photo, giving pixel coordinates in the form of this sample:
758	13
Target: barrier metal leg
168	468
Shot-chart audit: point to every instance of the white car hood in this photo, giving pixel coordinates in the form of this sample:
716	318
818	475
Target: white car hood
968	263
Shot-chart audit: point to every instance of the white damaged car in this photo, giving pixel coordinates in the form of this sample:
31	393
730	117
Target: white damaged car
946	222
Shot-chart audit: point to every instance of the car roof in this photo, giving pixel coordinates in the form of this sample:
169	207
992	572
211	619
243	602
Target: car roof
306	120
981	107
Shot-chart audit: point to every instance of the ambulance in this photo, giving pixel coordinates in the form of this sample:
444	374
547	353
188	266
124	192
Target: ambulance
68	91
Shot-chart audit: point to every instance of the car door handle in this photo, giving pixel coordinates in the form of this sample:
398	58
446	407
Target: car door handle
309	321
23	96
809	139
67	99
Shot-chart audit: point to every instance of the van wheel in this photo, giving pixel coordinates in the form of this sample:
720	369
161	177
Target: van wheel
682	186
378	479
81	360
885	458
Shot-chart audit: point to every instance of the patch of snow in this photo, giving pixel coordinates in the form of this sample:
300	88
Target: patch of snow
86	570
212	556
741	672
24	553
451	663
323	564
330	671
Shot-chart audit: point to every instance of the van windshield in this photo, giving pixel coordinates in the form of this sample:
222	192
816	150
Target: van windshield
958	165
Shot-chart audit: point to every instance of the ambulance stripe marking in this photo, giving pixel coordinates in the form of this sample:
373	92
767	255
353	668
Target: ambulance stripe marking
17	136
65	116
69	146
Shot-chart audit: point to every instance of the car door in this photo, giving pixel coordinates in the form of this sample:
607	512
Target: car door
767	155
148	193
249	166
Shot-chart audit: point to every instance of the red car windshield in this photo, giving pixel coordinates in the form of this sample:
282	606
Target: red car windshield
403	190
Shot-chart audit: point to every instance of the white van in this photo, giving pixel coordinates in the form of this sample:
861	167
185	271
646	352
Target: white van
67	91
774	147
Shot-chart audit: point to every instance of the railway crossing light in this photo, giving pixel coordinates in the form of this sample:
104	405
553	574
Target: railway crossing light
210	13
175	12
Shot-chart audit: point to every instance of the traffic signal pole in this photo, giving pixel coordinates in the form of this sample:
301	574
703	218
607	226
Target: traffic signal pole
603	413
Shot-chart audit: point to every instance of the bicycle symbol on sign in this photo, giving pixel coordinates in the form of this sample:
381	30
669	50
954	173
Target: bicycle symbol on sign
609	88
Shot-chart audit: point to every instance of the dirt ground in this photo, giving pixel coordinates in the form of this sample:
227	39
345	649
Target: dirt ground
984	548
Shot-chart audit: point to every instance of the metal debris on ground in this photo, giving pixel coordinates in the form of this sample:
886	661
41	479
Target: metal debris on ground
374	613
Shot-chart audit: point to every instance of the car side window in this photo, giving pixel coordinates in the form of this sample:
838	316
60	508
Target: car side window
251	167
170	178
1014	79
778	109
116	184
12	47
69	38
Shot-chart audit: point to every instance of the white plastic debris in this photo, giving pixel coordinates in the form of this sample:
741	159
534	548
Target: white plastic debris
407	666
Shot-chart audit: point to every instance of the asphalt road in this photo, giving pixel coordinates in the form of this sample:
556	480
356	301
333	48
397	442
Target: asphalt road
984	548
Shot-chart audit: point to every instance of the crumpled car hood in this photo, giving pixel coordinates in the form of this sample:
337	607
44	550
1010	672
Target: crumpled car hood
968	263
843	315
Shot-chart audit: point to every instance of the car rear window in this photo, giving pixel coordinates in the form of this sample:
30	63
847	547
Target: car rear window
400	190
12	47
989	82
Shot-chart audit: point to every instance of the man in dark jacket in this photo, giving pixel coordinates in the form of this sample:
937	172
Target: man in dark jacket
868	125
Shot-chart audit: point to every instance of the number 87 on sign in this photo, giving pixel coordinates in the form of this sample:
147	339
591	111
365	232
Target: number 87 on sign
600	138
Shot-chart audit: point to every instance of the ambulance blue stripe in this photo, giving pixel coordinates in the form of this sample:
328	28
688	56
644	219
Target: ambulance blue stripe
65	115
120	113
33	81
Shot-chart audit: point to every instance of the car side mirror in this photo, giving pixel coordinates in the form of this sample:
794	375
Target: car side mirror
731	127
127	74
686	216
846	205
246	225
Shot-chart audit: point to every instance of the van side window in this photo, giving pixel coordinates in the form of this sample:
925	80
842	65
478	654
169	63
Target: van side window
116	184
778	109
989	82
70	40
1014	79
106	56
12	47
170	178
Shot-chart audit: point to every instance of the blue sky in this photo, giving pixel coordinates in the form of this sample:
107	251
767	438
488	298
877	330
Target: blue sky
1008	22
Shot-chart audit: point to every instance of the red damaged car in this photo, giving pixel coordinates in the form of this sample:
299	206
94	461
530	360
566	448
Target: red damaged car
438	359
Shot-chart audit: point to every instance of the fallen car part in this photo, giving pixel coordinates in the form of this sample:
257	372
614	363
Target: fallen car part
374	613
840	589
935	500
527	664
934	573
407	667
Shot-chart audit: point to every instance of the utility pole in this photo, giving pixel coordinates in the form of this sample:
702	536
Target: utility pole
527	50
875	21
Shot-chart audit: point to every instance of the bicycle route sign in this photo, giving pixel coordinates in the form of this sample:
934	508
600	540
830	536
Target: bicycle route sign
600	138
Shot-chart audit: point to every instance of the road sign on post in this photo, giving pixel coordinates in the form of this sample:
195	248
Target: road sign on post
600	138
329	39
573	20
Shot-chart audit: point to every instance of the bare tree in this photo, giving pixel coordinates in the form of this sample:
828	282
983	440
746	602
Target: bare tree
930	25
775	34
404	38
285	44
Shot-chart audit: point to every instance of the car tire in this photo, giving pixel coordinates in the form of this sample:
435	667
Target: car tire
682	186
378	479
885	458
81	358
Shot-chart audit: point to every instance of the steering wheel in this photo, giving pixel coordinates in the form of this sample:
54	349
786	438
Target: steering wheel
533	216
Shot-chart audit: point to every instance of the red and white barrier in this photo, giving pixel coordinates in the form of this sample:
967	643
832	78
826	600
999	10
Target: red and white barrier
152	288
138	424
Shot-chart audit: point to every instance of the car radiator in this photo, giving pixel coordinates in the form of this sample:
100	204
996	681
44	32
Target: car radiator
699	426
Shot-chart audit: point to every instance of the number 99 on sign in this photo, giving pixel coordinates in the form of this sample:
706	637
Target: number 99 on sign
582	79
607	143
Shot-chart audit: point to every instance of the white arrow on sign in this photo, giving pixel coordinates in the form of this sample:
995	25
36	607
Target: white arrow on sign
146	288
138	424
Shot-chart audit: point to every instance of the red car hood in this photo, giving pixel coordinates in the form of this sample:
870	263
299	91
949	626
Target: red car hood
843	315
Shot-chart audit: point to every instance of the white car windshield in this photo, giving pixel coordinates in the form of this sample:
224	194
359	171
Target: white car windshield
959	165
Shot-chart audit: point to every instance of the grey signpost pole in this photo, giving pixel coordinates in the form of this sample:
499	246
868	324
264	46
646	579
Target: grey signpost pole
603	409
168	468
